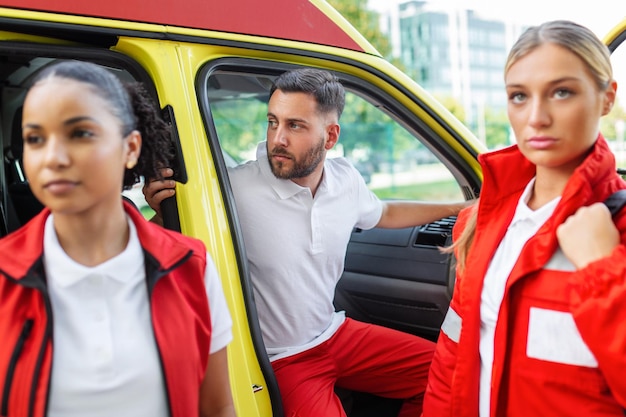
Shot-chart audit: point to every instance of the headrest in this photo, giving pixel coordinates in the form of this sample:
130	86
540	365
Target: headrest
17	144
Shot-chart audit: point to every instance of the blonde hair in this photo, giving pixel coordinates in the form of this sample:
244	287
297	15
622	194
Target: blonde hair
579	40
576	38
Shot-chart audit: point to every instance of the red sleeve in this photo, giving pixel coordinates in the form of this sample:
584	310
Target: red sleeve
598	304
438	396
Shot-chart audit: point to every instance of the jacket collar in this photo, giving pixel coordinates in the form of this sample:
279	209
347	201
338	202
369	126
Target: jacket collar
514	172
19	251
506	174
163	244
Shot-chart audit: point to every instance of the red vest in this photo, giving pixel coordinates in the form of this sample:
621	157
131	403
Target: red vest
175	266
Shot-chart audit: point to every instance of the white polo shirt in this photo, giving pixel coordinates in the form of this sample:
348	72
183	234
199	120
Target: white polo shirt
524	225
296	245
105	360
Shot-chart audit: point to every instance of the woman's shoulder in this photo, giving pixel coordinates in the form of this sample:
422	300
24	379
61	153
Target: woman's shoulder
167	243
463	218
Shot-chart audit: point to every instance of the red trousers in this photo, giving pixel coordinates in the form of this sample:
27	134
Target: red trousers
359	357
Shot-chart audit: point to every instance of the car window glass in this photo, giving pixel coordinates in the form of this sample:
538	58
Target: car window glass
17	203
393	162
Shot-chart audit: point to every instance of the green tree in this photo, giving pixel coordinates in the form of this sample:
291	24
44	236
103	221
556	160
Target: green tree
497	129
243	121
496	123
610	121
363	127
453	105
367	22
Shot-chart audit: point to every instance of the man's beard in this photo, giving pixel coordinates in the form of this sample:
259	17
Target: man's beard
301	167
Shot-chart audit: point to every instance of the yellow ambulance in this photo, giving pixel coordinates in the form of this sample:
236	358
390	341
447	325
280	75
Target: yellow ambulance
209	64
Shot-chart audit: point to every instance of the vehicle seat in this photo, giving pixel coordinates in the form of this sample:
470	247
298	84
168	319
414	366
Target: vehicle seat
25	205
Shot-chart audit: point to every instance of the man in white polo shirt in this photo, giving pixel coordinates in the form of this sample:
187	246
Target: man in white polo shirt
297	210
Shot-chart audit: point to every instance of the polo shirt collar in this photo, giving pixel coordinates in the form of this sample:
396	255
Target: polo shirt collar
67	272
525	213
284	188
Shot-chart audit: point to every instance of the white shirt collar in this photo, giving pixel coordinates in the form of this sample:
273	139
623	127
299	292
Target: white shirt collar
66	271
525	213
284	188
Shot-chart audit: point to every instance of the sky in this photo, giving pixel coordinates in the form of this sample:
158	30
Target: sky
598	15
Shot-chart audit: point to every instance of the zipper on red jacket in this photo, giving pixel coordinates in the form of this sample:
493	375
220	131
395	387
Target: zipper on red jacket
40	285
153	274
35	279
37	371
17	350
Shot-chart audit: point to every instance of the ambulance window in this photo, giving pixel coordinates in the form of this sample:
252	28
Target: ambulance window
17	203
393	162
391	159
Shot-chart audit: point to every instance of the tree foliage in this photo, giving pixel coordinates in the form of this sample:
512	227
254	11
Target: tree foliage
497	129
361	123
453	105
366	21
609	123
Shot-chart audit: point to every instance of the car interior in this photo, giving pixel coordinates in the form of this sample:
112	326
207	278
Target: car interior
17	69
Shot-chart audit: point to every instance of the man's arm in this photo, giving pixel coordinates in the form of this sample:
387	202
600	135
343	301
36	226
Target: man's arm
155	191
399	214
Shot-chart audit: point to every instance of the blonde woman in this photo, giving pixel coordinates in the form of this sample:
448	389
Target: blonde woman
536	323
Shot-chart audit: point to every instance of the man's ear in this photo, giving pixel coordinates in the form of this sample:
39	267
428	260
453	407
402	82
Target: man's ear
332	135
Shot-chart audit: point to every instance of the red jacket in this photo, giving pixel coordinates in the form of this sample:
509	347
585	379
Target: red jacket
595	297
175	267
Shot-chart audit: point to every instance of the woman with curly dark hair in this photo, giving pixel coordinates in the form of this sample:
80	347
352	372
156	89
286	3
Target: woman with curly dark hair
103	313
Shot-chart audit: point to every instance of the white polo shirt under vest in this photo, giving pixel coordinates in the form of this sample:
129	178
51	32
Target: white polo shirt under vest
105	360
524	225
296	244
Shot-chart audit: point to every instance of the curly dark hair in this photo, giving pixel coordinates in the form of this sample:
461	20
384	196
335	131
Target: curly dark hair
156	148
134	108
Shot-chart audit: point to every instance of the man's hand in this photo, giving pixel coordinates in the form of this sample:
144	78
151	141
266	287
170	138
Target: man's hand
588	235
156	191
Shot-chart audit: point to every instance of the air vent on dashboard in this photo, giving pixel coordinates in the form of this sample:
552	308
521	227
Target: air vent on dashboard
436	233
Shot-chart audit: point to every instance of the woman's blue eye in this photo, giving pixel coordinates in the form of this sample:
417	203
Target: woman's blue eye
562	93
517	97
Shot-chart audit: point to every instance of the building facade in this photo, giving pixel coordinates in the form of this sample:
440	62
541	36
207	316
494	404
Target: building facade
453	52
